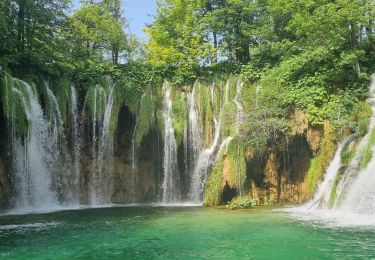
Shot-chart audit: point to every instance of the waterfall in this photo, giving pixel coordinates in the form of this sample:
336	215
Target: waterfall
350	172
134	135
239	120
257	93
77	143
133	143
237	101
212	93
354	192
360	195
34	156
102	152
204	162
193	135
226	97
321	197
60	166
171	180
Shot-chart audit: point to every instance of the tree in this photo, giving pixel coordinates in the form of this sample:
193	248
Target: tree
177	37
95	32
28	29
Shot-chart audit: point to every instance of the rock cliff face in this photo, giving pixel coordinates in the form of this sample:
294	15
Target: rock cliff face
278	175
275	175
139	182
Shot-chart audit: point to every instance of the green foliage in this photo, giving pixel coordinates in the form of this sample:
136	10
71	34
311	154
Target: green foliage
28	36
95	30
243	202
176	37
266	117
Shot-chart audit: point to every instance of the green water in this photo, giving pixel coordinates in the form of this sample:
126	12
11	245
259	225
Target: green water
177	233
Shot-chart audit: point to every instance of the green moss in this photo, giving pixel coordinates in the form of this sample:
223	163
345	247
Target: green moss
214	186
347	153
15	100
96	99
206	112
237	162
234	155
314	174
228	120
145	116
179	114
215	183
367	152
332	195
319	164
63	90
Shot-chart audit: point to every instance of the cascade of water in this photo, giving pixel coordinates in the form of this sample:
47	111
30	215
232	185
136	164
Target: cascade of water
257	92
237	101
354	193
133	143
212	93
239	120
134	135
101	180
223	149
193	134
77	143
54	114
60	166
351	172
321	197
226	97
34	157
360	197
171	189
202	165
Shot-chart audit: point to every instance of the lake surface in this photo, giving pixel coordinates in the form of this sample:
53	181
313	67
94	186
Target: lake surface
179	233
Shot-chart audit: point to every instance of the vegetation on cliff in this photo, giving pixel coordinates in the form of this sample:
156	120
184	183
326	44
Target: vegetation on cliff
309	56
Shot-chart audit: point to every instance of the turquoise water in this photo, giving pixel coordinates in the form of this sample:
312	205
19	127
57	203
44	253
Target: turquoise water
178	233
